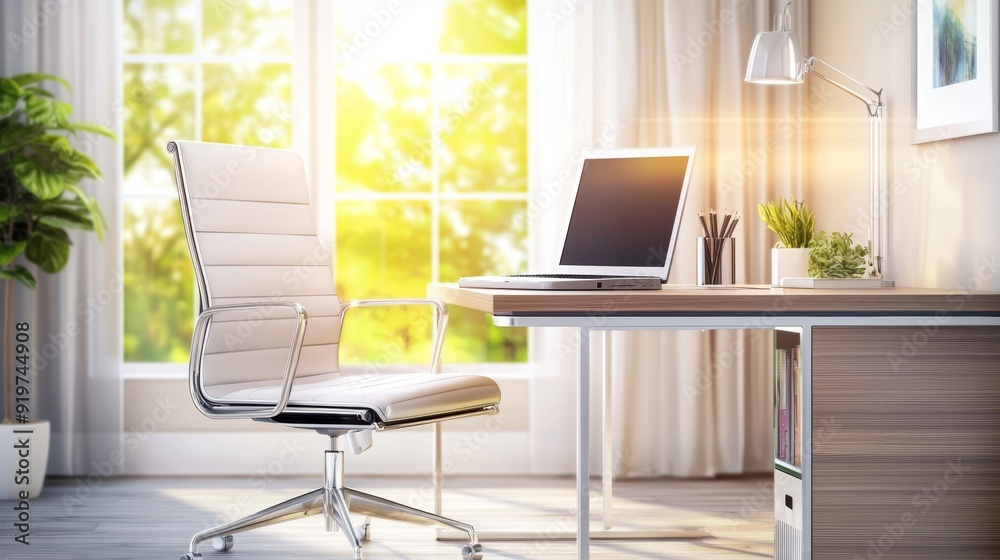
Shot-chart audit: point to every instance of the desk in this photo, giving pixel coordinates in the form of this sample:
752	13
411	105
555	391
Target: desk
910	379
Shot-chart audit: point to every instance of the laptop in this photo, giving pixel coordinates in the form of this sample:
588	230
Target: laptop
622	228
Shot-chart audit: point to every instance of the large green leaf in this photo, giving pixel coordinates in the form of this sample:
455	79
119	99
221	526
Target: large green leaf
10	93
65	217
78	161
95	211
50	112
20	274
39	181
33	77
15	135
10	252
92	128
49	249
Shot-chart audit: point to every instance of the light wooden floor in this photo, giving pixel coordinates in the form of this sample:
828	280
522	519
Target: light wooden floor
130	518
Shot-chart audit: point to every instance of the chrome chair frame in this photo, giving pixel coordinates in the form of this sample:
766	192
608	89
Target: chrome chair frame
347	428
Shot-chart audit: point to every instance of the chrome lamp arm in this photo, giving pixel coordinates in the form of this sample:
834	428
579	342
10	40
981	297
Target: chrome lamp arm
877	171
874	105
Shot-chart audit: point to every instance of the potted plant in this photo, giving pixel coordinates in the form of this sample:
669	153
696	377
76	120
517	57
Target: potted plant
795	226
835	255
39	199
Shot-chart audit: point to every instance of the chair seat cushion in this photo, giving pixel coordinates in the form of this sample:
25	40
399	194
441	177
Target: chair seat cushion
395	397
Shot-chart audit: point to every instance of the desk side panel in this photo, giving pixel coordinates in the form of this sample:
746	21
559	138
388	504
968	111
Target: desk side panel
906	443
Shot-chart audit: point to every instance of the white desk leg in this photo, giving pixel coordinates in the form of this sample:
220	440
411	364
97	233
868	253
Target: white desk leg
583	448
436	465
607	472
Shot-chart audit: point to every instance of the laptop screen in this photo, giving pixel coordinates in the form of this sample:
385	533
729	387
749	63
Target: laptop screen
627	210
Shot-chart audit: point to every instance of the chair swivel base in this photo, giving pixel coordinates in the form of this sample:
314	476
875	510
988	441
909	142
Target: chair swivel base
336	502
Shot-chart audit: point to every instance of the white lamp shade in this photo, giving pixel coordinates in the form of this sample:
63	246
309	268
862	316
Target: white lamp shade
775	58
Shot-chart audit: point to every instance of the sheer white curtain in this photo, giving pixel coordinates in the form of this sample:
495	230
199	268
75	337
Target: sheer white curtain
639	73
75	316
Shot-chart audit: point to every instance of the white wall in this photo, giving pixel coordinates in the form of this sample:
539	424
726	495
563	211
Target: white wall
944	227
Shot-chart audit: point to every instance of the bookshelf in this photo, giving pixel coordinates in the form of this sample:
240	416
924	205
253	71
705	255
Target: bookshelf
788	440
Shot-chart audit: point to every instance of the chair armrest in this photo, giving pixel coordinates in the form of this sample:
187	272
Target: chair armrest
199	339
440	319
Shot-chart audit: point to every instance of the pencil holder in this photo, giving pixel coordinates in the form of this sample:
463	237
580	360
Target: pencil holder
716	260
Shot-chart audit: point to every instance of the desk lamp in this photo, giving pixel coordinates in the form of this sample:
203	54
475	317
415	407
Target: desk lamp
776	58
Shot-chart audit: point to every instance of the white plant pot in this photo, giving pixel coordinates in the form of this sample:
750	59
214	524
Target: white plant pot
24	459
789	263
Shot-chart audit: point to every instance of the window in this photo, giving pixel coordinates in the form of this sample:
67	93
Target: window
430	163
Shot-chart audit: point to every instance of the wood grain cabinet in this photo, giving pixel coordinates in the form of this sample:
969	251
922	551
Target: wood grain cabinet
905	442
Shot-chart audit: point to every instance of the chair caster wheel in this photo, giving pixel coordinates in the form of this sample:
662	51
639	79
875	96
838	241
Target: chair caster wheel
472	552
222	544
190	556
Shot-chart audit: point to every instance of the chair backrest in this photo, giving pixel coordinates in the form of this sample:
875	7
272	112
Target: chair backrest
251	236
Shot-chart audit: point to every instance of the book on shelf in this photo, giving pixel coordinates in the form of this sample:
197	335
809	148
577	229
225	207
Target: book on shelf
780	366
787	397
797	405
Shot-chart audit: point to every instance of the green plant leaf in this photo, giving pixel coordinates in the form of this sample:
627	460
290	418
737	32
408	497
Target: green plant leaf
10	93
49	112
10	252
95	211
34	77
76	160
15	135
49	249
39	181
92	128
835	255
37	91
793	224
19	274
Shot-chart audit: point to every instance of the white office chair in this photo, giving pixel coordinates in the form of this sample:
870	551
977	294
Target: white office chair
265	345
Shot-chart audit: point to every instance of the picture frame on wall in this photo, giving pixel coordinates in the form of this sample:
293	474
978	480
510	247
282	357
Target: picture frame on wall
955	69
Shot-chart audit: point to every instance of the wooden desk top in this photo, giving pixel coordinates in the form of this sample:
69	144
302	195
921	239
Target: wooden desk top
686	300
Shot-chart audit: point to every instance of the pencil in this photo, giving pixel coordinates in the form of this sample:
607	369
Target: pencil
725	223
715	223
732	225
704	226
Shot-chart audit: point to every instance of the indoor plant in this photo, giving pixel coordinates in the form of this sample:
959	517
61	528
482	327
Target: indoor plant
794	225
39	199
835	255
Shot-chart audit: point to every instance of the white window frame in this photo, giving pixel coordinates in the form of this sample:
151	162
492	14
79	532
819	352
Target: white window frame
315	50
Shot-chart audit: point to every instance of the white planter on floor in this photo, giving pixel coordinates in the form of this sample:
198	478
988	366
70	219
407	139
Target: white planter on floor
788	263
24	459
